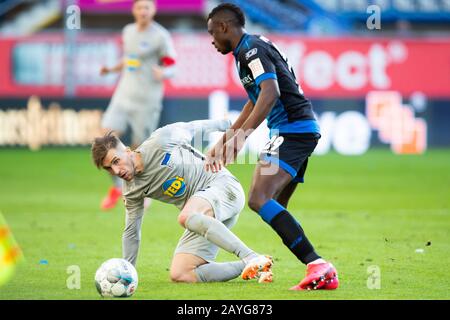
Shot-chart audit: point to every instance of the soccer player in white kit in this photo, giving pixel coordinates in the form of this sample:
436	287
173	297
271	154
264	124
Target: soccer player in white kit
167	168
149	58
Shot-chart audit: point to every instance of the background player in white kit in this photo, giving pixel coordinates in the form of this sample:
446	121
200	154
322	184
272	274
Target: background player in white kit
167	168
149	58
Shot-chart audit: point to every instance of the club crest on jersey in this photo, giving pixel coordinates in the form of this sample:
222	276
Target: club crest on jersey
174	187
251	53
143	45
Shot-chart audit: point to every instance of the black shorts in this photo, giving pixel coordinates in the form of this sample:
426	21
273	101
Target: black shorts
292	154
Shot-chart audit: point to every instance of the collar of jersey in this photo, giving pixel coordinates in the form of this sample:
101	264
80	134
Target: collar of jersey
236	50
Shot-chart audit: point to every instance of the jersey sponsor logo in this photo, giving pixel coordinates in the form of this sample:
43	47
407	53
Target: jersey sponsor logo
245	81
251	53
256	67
132	62
174	187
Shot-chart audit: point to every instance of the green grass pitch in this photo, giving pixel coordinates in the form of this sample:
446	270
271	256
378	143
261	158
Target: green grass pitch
362	211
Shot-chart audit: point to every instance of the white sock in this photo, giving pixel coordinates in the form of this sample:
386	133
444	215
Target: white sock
224	271
250	257
317	261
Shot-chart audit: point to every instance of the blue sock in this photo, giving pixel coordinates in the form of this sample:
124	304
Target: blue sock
289	230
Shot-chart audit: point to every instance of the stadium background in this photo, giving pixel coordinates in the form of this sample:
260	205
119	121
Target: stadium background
380	91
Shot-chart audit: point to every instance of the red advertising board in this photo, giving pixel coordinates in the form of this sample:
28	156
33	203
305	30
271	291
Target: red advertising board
344	67
325	67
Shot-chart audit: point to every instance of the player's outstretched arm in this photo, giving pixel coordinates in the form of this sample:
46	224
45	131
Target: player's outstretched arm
183	132
214	162
246	110
166	68
267	98
270	92
117	68
131	237
207	126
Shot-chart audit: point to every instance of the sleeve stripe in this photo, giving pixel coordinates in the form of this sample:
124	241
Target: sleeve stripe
166	159
265	76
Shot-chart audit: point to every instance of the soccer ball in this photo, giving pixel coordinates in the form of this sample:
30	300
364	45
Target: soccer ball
116	278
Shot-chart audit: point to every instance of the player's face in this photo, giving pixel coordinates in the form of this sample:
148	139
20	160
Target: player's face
218	31
118	162
144	11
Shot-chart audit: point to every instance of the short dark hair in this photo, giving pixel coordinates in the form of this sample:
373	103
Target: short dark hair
235	10
101	146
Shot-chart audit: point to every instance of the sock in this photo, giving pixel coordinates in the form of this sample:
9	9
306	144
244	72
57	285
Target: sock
289	230
224	271
250	257
216	232
117	182
318	261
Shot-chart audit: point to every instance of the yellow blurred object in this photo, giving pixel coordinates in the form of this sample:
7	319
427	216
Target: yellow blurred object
132	63
10	253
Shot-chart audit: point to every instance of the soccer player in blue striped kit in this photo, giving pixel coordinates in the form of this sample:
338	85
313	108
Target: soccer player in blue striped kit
274	94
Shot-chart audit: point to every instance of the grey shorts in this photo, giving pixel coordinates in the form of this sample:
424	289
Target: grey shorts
142	120
227	199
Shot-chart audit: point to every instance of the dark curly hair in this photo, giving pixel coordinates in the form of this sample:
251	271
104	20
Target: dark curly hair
229	7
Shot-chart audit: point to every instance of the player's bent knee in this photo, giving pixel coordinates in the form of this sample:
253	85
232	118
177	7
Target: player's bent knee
255	202
182	276
182	218
253	205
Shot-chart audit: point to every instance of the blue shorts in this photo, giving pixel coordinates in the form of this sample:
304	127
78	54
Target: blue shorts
292	154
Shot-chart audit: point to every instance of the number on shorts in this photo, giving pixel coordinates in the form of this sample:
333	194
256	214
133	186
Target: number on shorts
272	146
